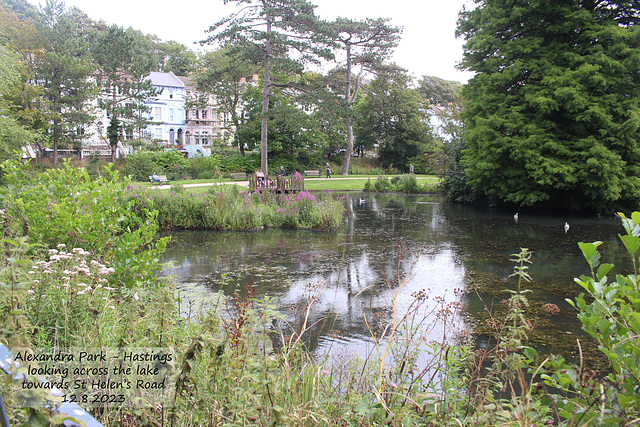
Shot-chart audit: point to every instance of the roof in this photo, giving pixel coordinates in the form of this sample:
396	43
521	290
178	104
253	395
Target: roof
188	81
165	79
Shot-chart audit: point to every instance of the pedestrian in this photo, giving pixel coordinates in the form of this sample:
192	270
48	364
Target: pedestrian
328	171
411	168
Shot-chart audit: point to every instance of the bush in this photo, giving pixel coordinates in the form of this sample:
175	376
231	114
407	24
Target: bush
65	206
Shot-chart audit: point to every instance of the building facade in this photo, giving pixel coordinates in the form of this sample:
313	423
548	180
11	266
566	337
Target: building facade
166	110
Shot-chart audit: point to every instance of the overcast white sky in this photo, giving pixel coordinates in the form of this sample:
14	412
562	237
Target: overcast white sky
428	45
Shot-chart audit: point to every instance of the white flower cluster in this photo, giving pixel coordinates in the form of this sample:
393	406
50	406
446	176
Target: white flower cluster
73	270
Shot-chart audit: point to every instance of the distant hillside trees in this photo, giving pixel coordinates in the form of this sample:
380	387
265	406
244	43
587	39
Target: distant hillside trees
439	91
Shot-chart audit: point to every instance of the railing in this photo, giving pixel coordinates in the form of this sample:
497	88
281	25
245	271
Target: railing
280	184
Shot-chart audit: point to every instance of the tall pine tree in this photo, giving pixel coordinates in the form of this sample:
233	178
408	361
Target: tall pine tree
267	32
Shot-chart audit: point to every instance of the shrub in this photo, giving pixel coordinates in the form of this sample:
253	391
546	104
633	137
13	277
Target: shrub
65	206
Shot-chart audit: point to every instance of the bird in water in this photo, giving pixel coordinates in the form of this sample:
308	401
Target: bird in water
566	226
362	201
516	217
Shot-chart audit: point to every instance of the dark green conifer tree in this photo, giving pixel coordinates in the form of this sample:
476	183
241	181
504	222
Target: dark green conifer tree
552	114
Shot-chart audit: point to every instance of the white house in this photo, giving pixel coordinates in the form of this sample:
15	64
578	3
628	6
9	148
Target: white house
167	109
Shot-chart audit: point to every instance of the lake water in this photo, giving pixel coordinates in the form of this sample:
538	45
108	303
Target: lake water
439	252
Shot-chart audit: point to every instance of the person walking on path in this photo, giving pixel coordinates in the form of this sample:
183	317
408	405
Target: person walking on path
328	171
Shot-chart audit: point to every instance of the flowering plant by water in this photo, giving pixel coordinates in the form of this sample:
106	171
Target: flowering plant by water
225	208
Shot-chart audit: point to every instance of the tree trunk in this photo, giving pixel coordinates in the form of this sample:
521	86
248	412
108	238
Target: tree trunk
266	92
347	154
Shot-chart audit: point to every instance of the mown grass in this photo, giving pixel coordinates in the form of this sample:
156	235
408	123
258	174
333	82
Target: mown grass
351	183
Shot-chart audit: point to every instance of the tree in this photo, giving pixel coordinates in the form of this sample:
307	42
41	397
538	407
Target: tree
392	116
439	91
124	58
12	134
365	43
223	74
176	58
63	71
24	99
267	31
114	131
552	114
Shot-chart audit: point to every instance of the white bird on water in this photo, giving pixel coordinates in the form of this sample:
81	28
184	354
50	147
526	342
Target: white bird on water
516	217
566	226
362	201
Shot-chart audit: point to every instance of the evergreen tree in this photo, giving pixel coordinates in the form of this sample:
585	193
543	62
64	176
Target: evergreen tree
267	31
552	114
366	43
63	71
124	58
223	74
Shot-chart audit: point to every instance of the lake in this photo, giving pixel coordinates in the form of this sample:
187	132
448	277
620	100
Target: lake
450	260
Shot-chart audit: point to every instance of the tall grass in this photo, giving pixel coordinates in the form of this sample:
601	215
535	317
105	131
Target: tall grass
223	208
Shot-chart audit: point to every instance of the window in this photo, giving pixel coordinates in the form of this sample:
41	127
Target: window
158	133
158	114
204	114
205	138
171	114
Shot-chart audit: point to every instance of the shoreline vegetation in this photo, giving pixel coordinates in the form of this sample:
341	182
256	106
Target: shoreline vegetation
79	257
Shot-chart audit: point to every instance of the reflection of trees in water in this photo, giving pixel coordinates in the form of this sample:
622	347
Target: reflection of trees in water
349	266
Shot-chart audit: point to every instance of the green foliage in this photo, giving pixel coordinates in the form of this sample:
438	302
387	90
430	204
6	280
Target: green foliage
610	313
66	206
392	117
223	209
552	112
404	183
436	90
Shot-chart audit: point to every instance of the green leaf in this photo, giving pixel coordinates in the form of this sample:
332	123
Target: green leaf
632	243
603	270
591	254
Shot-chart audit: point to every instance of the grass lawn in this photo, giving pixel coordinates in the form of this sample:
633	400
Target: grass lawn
338	183
355	183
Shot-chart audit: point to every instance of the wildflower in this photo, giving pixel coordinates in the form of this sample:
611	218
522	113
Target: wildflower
61	245
30	272
325	372
135	296
81	292
31	291
393	385
82	284
112	307
104	271
52	251
109	288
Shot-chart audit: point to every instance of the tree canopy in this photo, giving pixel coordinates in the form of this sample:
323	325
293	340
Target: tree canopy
552	113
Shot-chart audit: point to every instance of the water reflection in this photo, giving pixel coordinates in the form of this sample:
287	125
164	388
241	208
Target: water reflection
353	274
